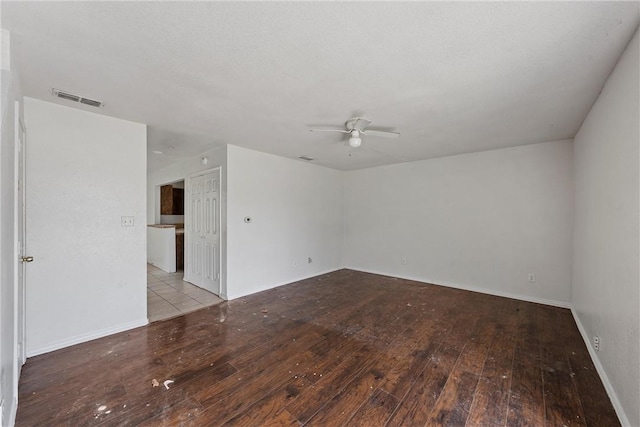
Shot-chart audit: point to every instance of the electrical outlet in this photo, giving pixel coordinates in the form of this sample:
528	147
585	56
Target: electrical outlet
531	278
309	260
596	342
126	221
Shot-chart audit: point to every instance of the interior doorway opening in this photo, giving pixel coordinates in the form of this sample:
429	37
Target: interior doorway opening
169	294
165	238
186	274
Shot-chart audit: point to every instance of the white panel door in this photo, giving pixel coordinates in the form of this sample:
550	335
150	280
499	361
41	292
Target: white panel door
210	233
194	232
203	232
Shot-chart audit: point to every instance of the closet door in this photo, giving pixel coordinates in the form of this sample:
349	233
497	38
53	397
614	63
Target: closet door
203	257
210	233
194	230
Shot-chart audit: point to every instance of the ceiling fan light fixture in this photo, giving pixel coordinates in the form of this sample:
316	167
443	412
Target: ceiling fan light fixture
355	141
355	128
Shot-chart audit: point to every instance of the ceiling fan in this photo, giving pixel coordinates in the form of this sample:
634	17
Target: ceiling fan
357	127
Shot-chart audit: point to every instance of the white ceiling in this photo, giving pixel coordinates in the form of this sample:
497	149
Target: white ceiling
451	77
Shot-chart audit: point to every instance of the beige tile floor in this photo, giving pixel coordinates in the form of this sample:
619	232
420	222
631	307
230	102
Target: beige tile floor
169	296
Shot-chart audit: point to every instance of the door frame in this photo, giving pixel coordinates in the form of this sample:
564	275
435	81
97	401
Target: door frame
20	212
187	216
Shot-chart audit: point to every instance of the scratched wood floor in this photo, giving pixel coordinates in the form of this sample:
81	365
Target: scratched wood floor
342	349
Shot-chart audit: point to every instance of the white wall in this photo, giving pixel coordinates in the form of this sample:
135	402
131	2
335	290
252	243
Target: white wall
84	171
481	221
179	172
606	279
9	363
296	212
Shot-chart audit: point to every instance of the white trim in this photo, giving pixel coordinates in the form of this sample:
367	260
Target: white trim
287	282
87	337
17	359
20	147
622	416
14	411
527	298
18	240
204	172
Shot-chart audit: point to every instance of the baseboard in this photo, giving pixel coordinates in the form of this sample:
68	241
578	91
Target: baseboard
57	345
286	282
13	411
527	298
622	416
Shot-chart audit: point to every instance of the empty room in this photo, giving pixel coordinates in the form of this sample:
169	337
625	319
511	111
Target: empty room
320	213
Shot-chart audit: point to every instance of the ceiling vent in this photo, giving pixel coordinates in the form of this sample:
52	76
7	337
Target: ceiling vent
75	98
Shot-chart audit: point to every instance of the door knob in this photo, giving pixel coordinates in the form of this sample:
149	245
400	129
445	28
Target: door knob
26	259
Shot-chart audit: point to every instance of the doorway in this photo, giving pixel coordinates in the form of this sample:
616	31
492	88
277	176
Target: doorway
173	292
165	238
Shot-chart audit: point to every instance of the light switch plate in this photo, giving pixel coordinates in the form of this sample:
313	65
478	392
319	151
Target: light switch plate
126	221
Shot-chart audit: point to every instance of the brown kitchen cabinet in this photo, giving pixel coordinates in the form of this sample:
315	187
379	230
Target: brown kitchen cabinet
171	200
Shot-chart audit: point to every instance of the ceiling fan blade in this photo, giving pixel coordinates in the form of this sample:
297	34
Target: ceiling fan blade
329	130
361	123
381	133
357	123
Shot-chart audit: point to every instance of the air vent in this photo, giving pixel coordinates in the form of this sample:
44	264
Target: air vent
308	159
75	98
91	102
67	96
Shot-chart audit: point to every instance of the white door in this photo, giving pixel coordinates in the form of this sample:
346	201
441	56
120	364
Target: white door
211	233
23	258
203	232
194	232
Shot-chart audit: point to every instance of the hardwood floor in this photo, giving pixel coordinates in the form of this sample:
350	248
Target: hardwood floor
345	348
